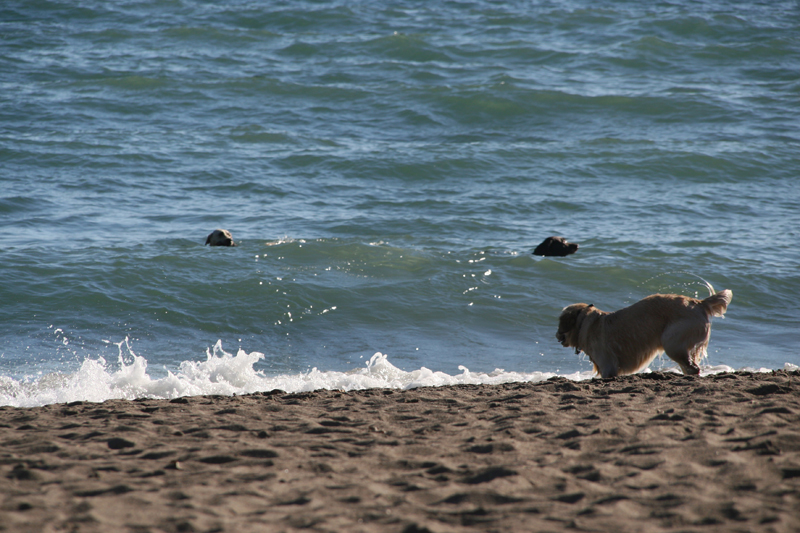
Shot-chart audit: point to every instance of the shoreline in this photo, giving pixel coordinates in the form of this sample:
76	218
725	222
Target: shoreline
648	452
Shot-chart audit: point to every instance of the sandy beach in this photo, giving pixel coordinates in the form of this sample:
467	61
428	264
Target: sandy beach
653	452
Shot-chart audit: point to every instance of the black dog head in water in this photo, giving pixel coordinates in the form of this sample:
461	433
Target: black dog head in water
556	247
220	237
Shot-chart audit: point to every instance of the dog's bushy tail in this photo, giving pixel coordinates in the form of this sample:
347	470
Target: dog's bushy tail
717	304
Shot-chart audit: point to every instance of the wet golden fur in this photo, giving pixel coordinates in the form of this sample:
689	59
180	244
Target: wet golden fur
627	340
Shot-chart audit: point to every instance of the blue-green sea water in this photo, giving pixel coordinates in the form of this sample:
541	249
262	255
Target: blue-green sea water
387	169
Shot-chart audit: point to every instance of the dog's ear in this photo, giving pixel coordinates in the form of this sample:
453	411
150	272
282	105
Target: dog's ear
568	323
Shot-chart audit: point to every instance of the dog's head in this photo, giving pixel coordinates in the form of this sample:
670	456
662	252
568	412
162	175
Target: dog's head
569	324
220	237
556	247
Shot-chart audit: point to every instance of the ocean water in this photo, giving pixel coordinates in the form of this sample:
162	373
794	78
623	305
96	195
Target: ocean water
387	169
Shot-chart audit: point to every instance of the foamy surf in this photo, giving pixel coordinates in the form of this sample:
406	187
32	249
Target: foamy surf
223	373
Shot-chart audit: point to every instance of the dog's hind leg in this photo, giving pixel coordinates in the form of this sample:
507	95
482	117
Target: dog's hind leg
686	346
687	358
686	362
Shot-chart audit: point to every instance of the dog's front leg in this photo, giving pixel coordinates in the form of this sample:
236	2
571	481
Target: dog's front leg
606	365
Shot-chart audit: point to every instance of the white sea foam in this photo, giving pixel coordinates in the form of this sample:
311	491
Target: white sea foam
227	374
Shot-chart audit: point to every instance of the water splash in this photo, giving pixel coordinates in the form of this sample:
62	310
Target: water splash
707	284
224	373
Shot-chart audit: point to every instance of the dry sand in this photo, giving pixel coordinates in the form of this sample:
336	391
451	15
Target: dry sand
654	452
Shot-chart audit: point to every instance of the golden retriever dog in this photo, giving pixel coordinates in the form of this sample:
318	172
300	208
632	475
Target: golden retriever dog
626	341
220	237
